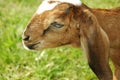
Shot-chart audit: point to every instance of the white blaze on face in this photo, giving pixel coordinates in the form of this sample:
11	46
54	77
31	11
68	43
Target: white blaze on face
45	5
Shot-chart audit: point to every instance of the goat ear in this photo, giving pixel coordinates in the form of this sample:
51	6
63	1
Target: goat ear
68	10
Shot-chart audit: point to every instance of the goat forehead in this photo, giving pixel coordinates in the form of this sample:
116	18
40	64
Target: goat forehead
50	4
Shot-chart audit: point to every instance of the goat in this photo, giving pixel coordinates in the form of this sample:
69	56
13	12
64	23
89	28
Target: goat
70	22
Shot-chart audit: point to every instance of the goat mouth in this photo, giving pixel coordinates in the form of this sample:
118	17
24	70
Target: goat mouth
32	46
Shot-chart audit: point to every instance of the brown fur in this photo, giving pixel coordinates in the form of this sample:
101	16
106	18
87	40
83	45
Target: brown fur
98	31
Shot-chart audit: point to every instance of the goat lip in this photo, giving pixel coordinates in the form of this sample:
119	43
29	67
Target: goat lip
32	46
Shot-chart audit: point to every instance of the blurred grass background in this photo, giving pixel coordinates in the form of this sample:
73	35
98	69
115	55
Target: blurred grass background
16	63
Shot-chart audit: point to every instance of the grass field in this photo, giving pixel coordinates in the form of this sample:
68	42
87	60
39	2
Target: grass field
16	63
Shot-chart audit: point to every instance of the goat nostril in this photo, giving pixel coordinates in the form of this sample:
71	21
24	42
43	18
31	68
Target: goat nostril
26	38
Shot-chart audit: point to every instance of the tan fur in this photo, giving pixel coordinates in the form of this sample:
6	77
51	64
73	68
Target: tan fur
98	30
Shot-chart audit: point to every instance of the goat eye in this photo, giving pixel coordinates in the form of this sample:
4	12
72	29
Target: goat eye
57	25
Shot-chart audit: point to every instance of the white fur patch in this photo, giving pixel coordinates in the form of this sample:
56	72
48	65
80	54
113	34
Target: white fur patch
45	5
74	2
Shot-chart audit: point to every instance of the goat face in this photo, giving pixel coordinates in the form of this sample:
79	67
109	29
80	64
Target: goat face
52	28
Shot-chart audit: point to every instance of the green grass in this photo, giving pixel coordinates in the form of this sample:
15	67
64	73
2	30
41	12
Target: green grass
16	63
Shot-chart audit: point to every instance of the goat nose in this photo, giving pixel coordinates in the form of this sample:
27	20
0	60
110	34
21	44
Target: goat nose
26	38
